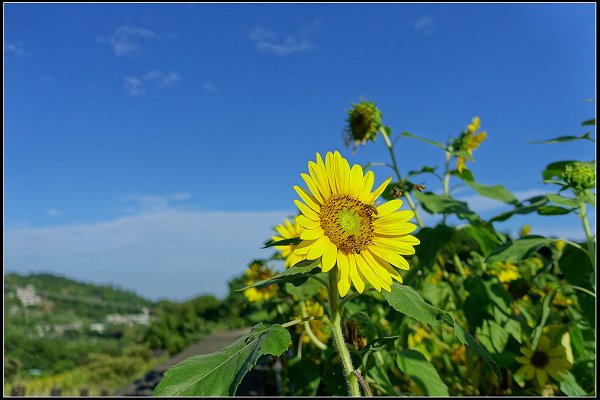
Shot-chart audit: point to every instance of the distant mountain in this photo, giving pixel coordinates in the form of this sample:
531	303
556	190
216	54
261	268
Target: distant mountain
60	296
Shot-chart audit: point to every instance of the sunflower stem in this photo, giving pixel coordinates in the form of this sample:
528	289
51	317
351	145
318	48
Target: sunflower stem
308	330
588	233
411	203
338	336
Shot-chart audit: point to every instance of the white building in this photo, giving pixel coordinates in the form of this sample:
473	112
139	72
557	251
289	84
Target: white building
28	296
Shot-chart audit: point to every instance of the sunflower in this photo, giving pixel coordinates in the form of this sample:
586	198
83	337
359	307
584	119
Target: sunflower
364	121
342	226
506	272
543	361
469	141
288	231
259	272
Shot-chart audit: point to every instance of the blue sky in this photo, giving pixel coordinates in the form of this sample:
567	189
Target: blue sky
155	146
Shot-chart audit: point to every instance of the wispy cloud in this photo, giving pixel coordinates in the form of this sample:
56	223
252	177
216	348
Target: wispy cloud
425	25
210	87
138	86
53	212
144	204
15	49
164	254
271	42
128	40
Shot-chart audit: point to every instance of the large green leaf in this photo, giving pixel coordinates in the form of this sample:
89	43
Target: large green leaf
304	376
485	235
415	365
298	271
432	241
589	122
492	336
496	192
519	249
220	373
570	387
566	138
408	301
537	332
435	204
534	203
466	338
576	266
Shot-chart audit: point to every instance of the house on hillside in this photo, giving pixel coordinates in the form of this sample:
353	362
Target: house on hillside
28	296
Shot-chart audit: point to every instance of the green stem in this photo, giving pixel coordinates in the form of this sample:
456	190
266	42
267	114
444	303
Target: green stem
411	203
447	175
588	233
309	331
338	337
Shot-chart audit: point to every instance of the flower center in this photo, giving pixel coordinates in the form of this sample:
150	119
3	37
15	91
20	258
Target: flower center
539	359
347	222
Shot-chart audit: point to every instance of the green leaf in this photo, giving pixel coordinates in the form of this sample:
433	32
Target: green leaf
409	302
555	169
304	376
298	271
576	338
565	201
435	204
422	139
284	242
534	204
492	336
424	170
466	338
220	373
306	290
496	192
485	236
568	138
519	249
589	122
432	241
570	387
537	332
415	365
553	210
576	266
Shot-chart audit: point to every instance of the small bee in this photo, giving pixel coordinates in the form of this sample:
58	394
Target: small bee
353	243
396	192
418	187
372	208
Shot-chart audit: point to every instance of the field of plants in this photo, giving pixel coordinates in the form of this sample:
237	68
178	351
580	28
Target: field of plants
374	303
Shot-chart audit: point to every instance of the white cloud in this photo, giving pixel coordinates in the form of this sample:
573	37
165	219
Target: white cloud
210	87
481	204
127	40
269	41
143	203
164	254
134	86
139	86
52	212
425	25
14	49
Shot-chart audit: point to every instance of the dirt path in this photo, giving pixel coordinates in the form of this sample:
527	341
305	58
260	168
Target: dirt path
145	385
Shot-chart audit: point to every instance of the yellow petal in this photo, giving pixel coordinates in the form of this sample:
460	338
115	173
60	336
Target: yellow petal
343	171
312	234
307	211
307	223
389	207
318	248
312	186
394	230
365	191
308	199
343	274
398	217
329	257
319	179
541	376
374	271
359	284
356	180
331	175
387	256
379	190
